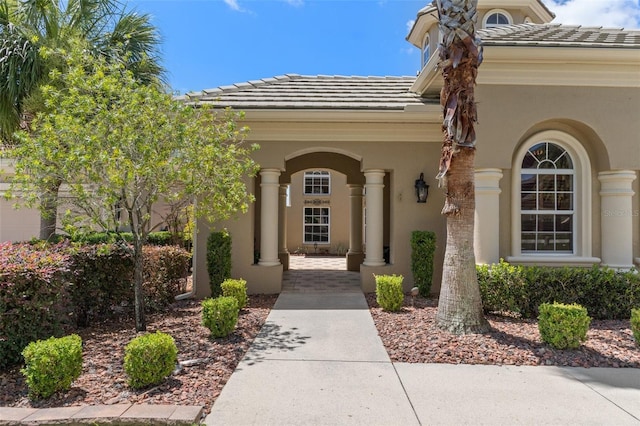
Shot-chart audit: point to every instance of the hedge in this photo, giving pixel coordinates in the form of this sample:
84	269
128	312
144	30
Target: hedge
32	297
45	289
218	260
604	292
423	246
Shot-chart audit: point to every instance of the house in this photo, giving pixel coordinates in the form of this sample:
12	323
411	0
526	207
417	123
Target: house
558	154
556	166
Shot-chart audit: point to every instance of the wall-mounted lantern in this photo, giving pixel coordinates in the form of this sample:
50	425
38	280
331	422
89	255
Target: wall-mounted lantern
422	189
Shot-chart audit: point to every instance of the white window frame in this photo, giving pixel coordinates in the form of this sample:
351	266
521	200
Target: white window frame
582	203
551	212
426	49
317	174
494	12
305	224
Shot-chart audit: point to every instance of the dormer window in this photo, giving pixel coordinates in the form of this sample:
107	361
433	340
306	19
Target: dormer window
496	18
426	50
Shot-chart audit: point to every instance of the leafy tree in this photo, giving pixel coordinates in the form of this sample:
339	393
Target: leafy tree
26	26
460	304
116	142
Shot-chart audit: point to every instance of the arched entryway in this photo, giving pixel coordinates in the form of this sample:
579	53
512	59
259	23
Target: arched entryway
364	200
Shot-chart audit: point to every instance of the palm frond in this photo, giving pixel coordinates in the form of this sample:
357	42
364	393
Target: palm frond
134	40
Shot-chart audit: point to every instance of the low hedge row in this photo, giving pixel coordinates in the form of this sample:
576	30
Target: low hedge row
45	289
159	238
604	292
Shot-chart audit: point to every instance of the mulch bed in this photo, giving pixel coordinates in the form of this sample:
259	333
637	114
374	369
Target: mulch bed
411	335
206	366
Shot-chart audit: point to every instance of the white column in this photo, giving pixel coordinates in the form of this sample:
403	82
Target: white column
374	185
486	236
282	220
617	217
355	224
269	217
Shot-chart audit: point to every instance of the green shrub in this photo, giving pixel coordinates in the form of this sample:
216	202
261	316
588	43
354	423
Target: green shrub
159	238
220	315
423	246
604	292
33	296
503	288
148	359
389	293
237	289
102	277
52	365
165	269
635	324
563	326
218	260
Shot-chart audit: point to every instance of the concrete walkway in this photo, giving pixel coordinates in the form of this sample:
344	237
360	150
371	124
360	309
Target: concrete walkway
319	361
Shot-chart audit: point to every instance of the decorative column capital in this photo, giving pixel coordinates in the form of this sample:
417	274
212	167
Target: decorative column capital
616	183
270	177
487	181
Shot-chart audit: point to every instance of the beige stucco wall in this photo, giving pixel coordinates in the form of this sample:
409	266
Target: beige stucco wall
604	120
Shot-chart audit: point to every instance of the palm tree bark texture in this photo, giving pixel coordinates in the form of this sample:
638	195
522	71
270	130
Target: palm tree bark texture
460	305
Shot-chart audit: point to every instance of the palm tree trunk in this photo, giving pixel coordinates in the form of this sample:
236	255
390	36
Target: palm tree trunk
460	304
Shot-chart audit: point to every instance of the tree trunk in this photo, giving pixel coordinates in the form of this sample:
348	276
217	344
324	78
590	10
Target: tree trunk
49	211
138	279
460	305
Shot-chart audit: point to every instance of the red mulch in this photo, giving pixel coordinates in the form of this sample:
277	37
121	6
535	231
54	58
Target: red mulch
103	380
411	335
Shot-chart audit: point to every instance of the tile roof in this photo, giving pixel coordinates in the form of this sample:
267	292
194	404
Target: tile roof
552	35
315	92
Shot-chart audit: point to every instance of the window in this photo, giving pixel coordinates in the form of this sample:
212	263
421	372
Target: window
551	212
496	19
316	225
317	183
426	50
547	200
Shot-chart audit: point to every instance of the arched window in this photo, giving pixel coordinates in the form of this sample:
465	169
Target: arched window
426	50
551	200
496	18
547	200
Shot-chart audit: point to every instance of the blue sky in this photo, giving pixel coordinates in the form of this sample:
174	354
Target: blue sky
210	43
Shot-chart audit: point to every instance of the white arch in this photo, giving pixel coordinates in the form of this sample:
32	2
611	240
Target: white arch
322	149
583	206
493	12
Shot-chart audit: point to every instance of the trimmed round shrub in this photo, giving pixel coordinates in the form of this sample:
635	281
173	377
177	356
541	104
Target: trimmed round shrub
52	365
635	324
237	289
148	359
389	293
563	326
220	315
